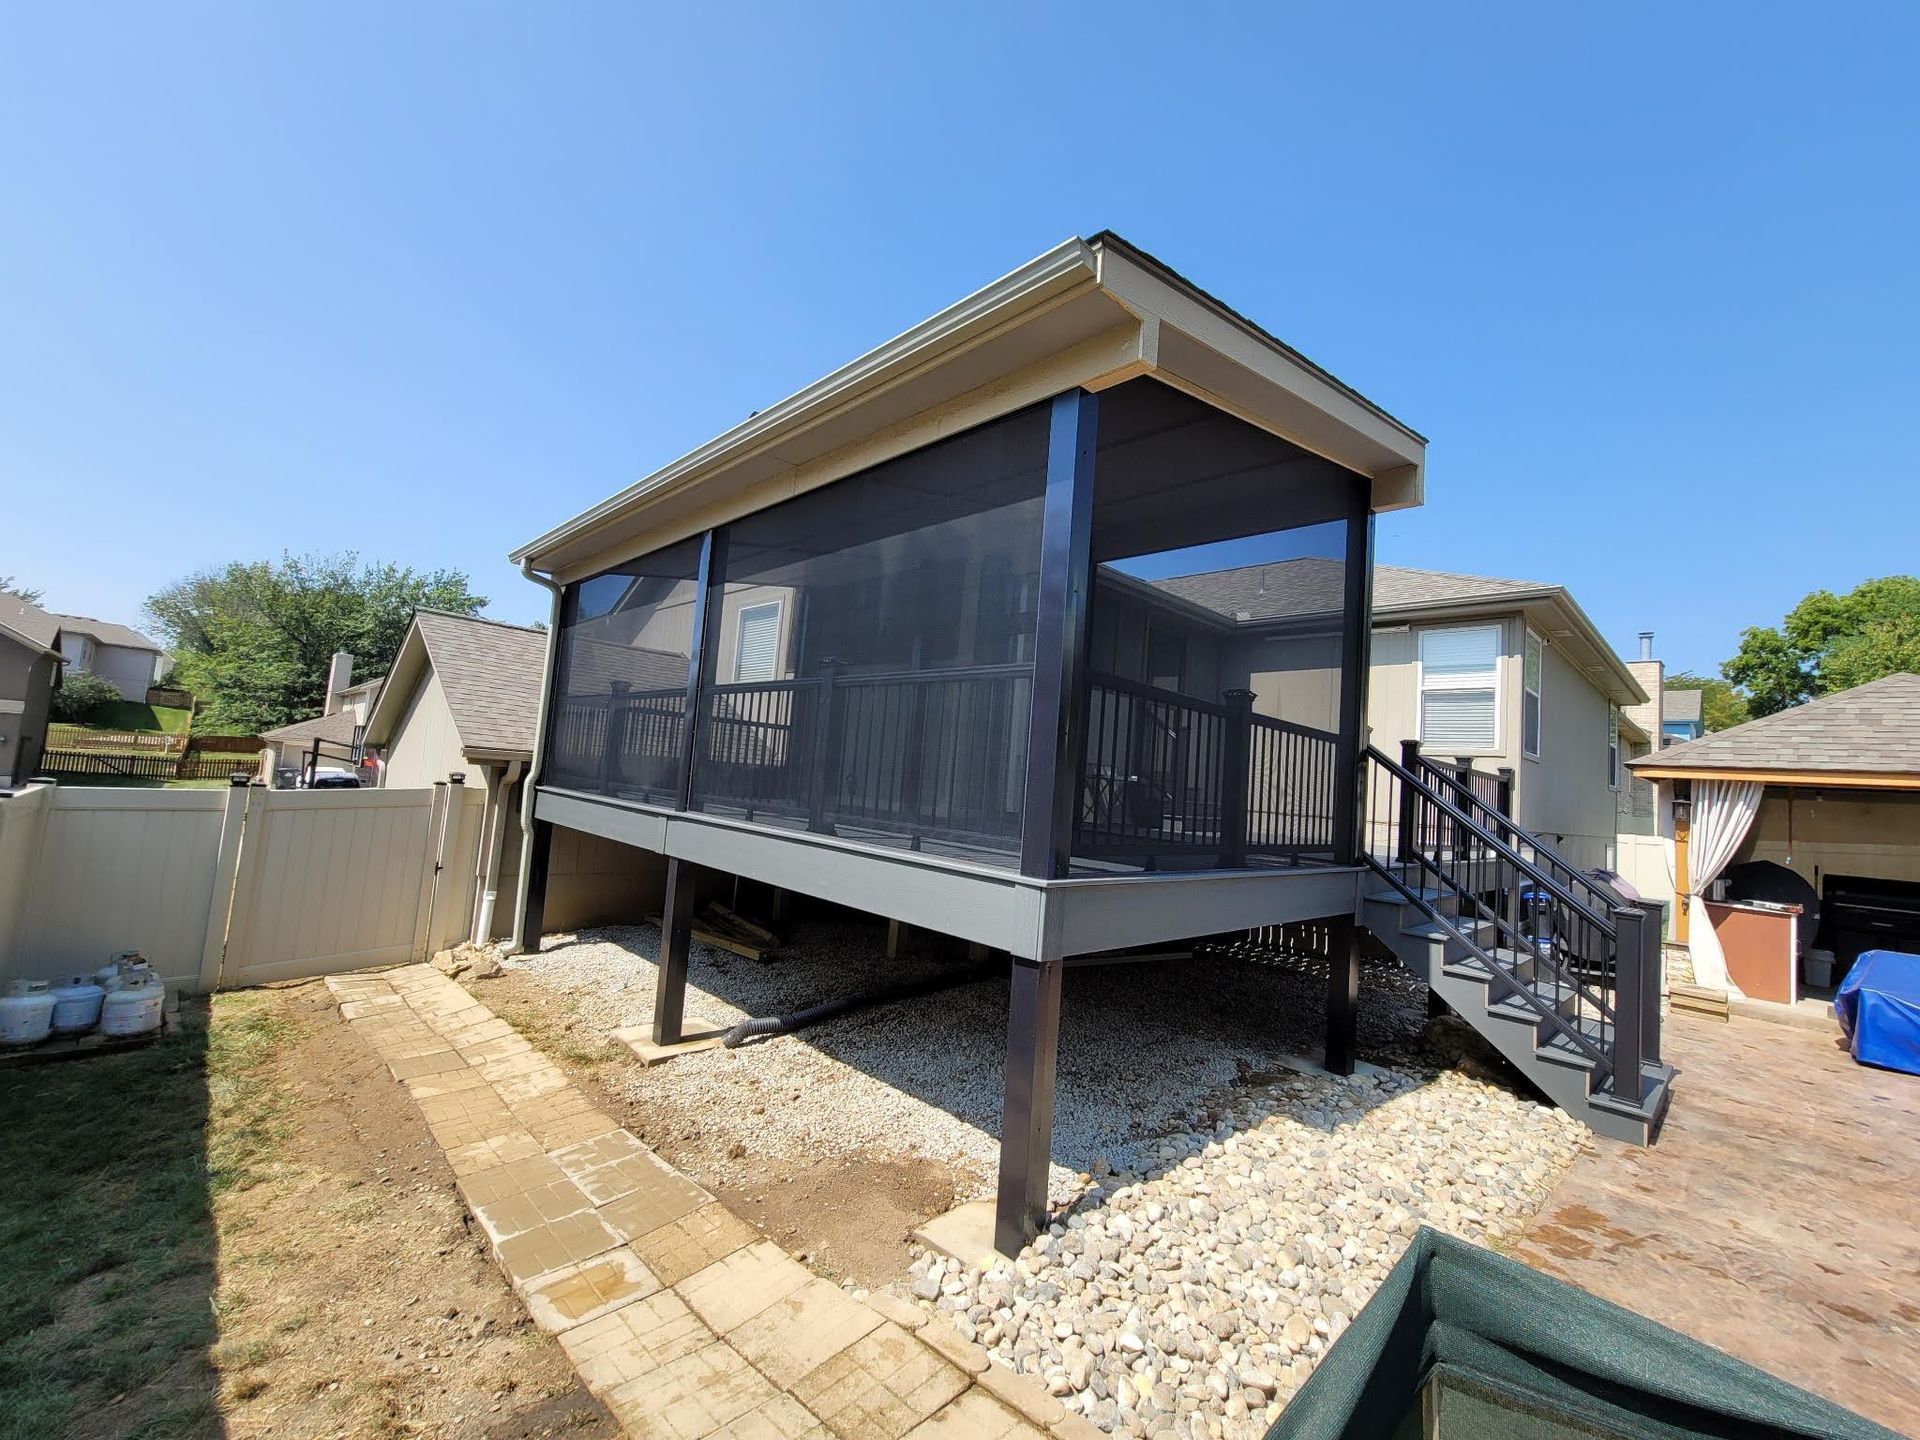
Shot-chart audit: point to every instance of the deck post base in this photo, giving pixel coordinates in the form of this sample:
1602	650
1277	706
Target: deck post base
1026	1115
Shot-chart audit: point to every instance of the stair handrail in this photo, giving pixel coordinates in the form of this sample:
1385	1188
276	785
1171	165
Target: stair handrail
1504	849
1603	893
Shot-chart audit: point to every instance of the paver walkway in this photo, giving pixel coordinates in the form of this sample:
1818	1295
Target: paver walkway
676	1313
1778	1217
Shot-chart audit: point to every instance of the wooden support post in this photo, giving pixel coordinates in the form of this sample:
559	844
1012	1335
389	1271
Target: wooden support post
676	941
1026	1113
1343	995
896	939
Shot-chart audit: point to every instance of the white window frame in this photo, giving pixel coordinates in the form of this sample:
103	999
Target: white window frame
1531	643
1613	746
1499	633
740	636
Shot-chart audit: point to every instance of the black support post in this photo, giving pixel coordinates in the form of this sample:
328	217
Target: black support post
1234	779
533	917
1356	651
1059	666
1343	995
1409	762
709	588
1629	928
1026	1113
1654	975
676	941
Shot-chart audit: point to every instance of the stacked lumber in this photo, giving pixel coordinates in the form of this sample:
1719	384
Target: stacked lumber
726	929
1700	1000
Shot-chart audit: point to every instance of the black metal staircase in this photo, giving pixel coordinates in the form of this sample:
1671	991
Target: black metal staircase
1555	968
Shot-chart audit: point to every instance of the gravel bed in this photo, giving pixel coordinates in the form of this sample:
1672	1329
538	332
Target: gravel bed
1142	1047
1194	1298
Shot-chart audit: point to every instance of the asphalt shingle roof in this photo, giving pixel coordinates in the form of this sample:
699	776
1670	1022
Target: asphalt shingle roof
1682	705
1312	585
105	632
490	673
337	727
28	620
1872	728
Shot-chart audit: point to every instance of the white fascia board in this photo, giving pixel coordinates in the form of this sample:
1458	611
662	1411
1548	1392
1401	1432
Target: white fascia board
1231	364
1067	265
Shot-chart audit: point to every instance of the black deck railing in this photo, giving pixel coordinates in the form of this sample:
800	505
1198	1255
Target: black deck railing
1166	776
940	755
1556	943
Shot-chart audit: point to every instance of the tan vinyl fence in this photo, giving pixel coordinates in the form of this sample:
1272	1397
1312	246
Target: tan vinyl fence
222	888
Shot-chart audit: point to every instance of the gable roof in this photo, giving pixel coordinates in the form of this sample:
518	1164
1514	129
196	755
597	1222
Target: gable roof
26	623
1872	730
1088	312
337	728
489	671
1683	705
106	632
1312	585
1271	594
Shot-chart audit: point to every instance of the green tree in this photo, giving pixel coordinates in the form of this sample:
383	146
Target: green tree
1721	706
252	641
80	697
1830	642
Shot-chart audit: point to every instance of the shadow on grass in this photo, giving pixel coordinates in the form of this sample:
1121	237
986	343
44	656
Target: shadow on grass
107	1240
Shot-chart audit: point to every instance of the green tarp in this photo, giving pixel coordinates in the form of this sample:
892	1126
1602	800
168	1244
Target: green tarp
1504	1350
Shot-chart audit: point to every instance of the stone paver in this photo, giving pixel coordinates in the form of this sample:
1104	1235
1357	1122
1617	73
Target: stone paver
677	1314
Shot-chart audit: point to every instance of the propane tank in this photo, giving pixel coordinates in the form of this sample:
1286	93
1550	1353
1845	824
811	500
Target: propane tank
76	1006
123	964
26	1012
132	1006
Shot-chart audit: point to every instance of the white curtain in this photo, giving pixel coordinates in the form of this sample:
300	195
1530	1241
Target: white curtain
1723	812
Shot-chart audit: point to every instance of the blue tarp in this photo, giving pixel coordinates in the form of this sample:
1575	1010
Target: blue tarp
1879	1009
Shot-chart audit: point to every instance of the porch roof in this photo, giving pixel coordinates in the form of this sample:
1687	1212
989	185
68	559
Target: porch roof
1091	313
1866	737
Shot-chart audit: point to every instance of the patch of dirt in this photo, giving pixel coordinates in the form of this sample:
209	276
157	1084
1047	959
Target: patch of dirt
352	1296
848	1218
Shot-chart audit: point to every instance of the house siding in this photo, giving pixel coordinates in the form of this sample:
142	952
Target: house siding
1564	797
26	680
425	747
128	671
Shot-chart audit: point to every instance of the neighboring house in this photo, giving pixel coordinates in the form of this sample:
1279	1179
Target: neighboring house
898	643
463	697
1507	675
1683	719
331	740
1829	790
29	671
118	654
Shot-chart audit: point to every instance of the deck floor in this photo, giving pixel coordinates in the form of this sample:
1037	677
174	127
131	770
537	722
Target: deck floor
1778	1217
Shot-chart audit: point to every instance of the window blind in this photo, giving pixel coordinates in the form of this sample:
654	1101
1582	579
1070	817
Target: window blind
1459	687
758	654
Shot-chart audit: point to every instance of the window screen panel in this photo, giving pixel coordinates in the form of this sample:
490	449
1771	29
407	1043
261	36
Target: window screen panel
1471	654
622	660
1530	711
873	674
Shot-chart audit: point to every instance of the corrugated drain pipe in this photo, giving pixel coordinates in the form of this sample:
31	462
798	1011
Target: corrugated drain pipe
831	1009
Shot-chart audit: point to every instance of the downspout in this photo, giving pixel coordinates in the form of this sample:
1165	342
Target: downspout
517	943
496	842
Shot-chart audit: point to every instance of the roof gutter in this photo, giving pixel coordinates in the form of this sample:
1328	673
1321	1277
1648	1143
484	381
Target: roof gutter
517	943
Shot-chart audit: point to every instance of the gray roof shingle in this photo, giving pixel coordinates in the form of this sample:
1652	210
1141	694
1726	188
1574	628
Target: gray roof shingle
1312	585
337	727
1682	705
1872	728
490	672
28	620
106	632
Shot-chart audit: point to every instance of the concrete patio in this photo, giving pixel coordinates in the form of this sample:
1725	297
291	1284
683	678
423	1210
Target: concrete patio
1776	1218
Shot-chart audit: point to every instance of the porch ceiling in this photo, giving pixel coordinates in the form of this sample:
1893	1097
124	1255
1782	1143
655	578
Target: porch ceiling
1088	313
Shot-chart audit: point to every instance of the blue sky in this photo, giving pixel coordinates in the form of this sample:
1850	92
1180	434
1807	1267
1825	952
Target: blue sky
425	280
